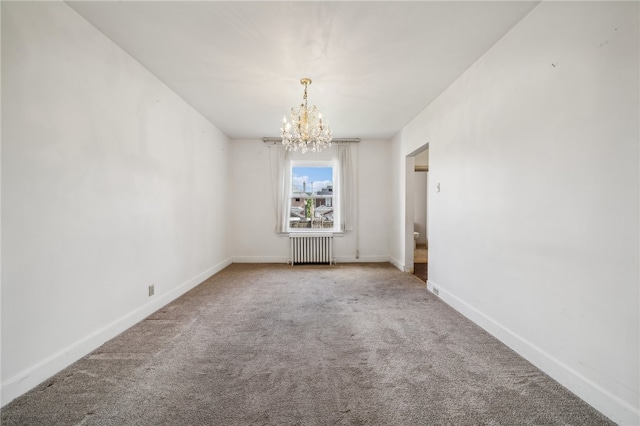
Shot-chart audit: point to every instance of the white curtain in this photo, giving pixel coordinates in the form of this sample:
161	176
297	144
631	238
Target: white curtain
280	184
346	194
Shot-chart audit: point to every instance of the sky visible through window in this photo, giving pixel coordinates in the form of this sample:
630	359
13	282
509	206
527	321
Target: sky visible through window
316	178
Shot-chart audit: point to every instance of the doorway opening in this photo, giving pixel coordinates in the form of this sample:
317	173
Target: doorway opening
416	228
420	210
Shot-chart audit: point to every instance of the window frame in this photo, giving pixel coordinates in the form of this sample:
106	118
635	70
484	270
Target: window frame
334	199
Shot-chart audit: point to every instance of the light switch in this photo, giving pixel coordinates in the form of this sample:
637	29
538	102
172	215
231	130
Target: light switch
438	187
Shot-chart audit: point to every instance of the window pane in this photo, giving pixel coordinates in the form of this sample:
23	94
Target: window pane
312	180
323	213
297	215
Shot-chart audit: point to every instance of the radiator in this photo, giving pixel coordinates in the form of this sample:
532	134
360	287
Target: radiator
311	248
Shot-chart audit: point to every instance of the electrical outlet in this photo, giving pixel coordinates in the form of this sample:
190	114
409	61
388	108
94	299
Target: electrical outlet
436	291
152	290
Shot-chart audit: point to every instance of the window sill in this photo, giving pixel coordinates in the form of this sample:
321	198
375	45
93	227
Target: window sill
312	231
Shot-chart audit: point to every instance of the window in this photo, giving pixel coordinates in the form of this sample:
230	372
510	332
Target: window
311	200
331	191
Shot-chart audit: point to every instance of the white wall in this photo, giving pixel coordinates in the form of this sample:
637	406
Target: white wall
110	183
254	238
374	196
253	223
535	233
397	204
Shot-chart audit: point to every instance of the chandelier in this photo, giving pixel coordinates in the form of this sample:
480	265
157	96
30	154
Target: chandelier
306	131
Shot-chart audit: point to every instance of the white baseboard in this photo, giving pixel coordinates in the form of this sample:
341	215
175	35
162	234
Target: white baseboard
38	373
261	259
285	259
397	264
363	259
601	399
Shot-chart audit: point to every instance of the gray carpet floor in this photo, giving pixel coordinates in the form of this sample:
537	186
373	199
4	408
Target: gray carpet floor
309	345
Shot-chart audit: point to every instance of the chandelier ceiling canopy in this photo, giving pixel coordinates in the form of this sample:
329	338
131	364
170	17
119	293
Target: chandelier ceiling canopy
307	131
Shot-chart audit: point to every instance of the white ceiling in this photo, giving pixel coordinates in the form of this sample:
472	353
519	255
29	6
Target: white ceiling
374	65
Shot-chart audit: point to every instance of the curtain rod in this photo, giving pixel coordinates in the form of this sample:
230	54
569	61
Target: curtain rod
279	140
